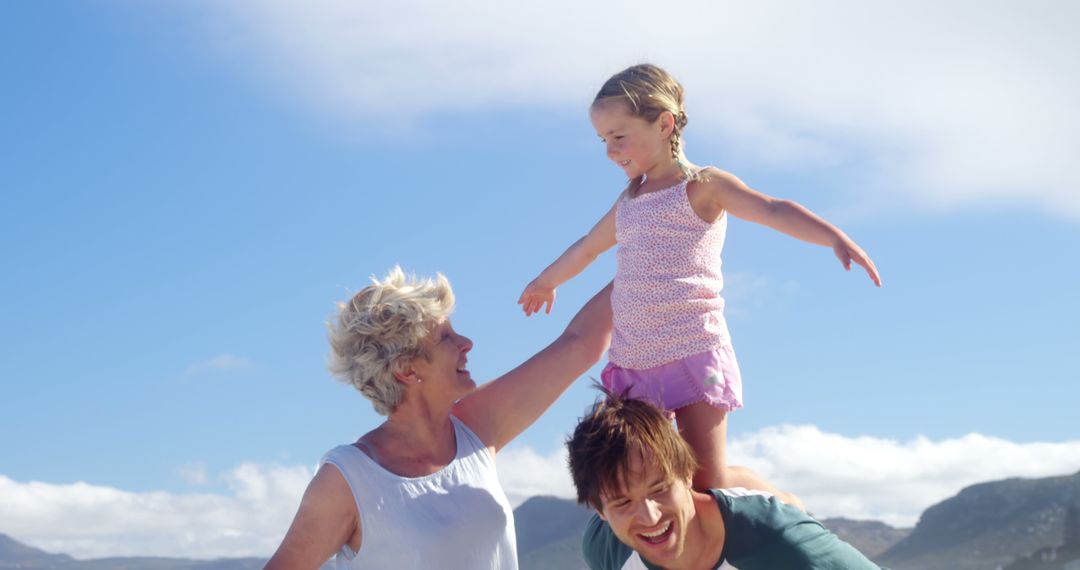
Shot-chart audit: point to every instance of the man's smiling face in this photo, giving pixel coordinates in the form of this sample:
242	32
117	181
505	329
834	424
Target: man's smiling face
650	511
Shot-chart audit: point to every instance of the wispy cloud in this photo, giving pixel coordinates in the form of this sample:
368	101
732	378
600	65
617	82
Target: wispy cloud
219	362
195	474
947	104
746	292
858	477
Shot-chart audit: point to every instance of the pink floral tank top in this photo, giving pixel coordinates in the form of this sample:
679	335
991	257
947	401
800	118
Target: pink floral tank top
666	301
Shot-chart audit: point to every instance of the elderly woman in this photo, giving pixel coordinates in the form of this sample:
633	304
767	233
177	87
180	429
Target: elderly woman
420	490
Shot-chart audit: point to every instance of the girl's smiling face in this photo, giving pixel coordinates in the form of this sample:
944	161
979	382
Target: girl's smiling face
634	144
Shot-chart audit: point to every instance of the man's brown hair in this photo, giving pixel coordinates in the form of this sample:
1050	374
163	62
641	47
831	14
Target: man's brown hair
603	441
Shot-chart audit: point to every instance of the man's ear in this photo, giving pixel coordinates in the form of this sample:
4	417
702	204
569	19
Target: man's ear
600	514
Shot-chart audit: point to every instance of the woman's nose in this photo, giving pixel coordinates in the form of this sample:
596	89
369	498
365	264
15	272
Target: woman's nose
465	343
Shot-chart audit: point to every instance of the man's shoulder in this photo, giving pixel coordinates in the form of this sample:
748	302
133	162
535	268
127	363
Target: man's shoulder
763	532
757	516
604	551
738	504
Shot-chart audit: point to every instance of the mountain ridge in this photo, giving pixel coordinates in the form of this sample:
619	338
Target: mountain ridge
988	524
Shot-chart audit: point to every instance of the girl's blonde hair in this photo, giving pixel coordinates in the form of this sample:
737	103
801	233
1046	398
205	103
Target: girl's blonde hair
648	91
382	328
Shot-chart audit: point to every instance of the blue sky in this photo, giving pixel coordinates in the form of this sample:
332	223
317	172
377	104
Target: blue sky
189	187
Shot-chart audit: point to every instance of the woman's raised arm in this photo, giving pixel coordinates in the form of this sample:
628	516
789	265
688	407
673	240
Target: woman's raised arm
501	409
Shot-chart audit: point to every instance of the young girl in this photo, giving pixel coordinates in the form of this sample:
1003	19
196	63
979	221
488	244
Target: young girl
671	343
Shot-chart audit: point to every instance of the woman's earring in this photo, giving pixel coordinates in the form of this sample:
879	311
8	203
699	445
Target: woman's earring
419	380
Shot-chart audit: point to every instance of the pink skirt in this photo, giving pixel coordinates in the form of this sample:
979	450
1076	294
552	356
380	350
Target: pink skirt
711	376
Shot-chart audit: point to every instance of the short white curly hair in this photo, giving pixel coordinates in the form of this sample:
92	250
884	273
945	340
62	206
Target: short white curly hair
382	328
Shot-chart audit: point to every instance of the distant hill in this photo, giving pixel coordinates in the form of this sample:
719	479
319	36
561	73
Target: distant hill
1063	556
988	525
1050	558
14	554
872	538
549	533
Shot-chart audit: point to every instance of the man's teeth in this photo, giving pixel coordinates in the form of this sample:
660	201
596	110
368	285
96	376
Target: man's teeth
657	533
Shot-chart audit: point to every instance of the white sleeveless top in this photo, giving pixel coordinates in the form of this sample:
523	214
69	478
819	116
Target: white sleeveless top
457	517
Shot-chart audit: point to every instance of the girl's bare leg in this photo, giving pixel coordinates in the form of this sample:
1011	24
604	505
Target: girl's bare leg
705	429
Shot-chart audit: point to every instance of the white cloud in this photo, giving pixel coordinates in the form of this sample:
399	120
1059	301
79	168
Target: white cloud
219	362
855	477
887	480
90	521
526	473
836	475
949	104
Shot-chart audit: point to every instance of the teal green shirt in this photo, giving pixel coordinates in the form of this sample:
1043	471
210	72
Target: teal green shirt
762	533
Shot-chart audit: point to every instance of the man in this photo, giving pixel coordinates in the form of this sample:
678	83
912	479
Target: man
630	464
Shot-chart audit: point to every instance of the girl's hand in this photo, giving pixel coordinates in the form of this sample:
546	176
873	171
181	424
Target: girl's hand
535	296
848	251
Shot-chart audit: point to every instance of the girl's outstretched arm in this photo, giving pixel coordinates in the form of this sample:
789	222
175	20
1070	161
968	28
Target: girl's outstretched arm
727	192
541	291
